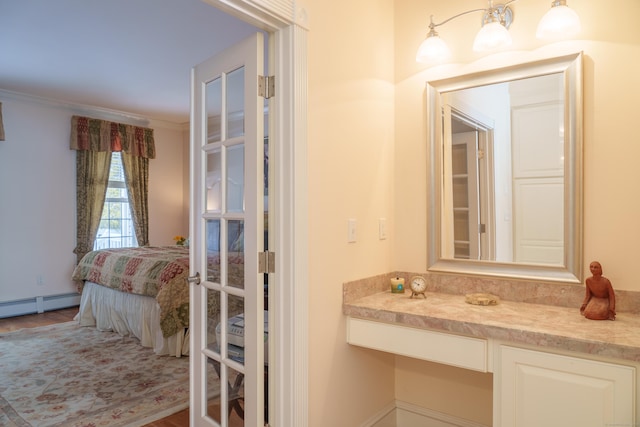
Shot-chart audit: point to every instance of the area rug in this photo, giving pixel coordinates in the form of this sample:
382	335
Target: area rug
73	376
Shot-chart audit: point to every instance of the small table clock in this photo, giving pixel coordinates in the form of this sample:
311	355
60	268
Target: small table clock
418	285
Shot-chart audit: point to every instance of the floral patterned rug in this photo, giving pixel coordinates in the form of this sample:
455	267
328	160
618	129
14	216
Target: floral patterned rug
73	376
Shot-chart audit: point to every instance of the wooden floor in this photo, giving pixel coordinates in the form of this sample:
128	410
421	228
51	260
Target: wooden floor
179	419
34	320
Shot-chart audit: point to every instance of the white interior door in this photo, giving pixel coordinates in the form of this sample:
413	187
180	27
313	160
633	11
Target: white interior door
538	228
226	311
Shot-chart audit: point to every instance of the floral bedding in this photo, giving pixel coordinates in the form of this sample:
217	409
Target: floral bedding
157	271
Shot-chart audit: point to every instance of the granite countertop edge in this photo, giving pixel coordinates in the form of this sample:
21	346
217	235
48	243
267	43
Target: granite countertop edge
537	325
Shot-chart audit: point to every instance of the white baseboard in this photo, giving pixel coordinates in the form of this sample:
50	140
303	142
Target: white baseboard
386	417
403	414
38	304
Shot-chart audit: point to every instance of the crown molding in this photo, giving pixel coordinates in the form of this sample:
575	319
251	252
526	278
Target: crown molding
94	111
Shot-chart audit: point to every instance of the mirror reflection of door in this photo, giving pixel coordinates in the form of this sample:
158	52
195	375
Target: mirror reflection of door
537	138
472	180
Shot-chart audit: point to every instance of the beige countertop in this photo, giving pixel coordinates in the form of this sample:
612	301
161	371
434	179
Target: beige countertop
540	325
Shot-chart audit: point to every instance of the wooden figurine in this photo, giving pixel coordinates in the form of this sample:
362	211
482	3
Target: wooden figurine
600	300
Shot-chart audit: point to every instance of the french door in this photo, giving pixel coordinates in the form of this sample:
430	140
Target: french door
227	317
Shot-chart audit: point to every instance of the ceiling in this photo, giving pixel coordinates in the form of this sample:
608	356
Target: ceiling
132	56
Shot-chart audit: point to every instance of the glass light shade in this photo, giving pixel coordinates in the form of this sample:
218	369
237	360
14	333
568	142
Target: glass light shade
433	49
491	36
559	21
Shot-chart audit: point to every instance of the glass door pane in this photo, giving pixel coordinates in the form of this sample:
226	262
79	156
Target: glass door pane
213	184
235	103
235	178
213	100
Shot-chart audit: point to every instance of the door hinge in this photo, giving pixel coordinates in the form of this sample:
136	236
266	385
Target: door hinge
482	228
266	262
266	86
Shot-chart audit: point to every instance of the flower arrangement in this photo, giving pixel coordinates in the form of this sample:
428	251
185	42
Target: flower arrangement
180	240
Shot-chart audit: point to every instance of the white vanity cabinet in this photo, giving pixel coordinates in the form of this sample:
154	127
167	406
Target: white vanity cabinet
535	388
532	387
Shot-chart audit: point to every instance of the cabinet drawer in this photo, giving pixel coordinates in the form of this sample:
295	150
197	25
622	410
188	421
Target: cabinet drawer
455	350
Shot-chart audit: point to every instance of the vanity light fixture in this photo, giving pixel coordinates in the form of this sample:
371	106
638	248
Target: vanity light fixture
559	21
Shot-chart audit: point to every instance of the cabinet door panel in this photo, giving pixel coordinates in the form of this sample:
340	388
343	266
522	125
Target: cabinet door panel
543	389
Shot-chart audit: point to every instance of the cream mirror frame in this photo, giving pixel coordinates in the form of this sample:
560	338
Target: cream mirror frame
569	67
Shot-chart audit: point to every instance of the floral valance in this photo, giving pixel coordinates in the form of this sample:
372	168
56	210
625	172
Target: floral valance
100	135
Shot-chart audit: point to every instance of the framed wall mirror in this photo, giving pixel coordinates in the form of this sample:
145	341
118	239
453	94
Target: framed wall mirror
505	171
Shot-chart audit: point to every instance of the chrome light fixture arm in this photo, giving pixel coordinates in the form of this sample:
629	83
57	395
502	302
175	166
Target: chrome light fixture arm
501	11
433	25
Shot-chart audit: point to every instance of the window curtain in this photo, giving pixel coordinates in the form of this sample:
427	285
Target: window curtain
92	178
95	140
136	175
1	124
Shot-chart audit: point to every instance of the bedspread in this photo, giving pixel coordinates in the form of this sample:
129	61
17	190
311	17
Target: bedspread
157	271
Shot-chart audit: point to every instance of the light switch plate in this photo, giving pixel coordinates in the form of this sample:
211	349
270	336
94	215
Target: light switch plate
351	230
382	228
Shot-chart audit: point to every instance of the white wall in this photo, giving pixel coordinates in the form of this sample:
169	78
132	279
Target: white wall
37	194
350	172
169	185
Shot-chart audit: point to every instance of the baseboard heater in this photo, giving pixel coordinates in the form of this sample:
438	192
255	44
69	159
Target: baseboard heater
38	304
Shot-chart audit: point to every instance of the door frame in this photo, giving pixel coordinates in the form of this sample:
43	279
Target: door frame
288	322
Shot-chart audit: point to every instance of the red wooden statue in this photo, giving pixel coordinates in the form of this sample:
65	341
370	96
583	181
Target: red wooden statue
600	300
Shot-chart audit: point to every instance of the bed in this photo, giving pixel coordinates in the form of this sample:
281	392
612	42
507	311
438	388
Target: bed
141	292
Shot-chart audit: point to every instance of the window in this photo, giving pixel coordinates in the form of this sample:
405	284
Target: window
116	224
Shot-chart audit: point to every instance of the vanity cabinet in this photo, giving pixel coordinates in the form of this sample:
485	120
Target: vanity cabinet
536	388
532	387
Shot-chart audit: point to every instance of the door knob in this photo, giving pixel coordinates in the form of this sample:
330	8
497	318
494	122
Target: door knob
194	279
